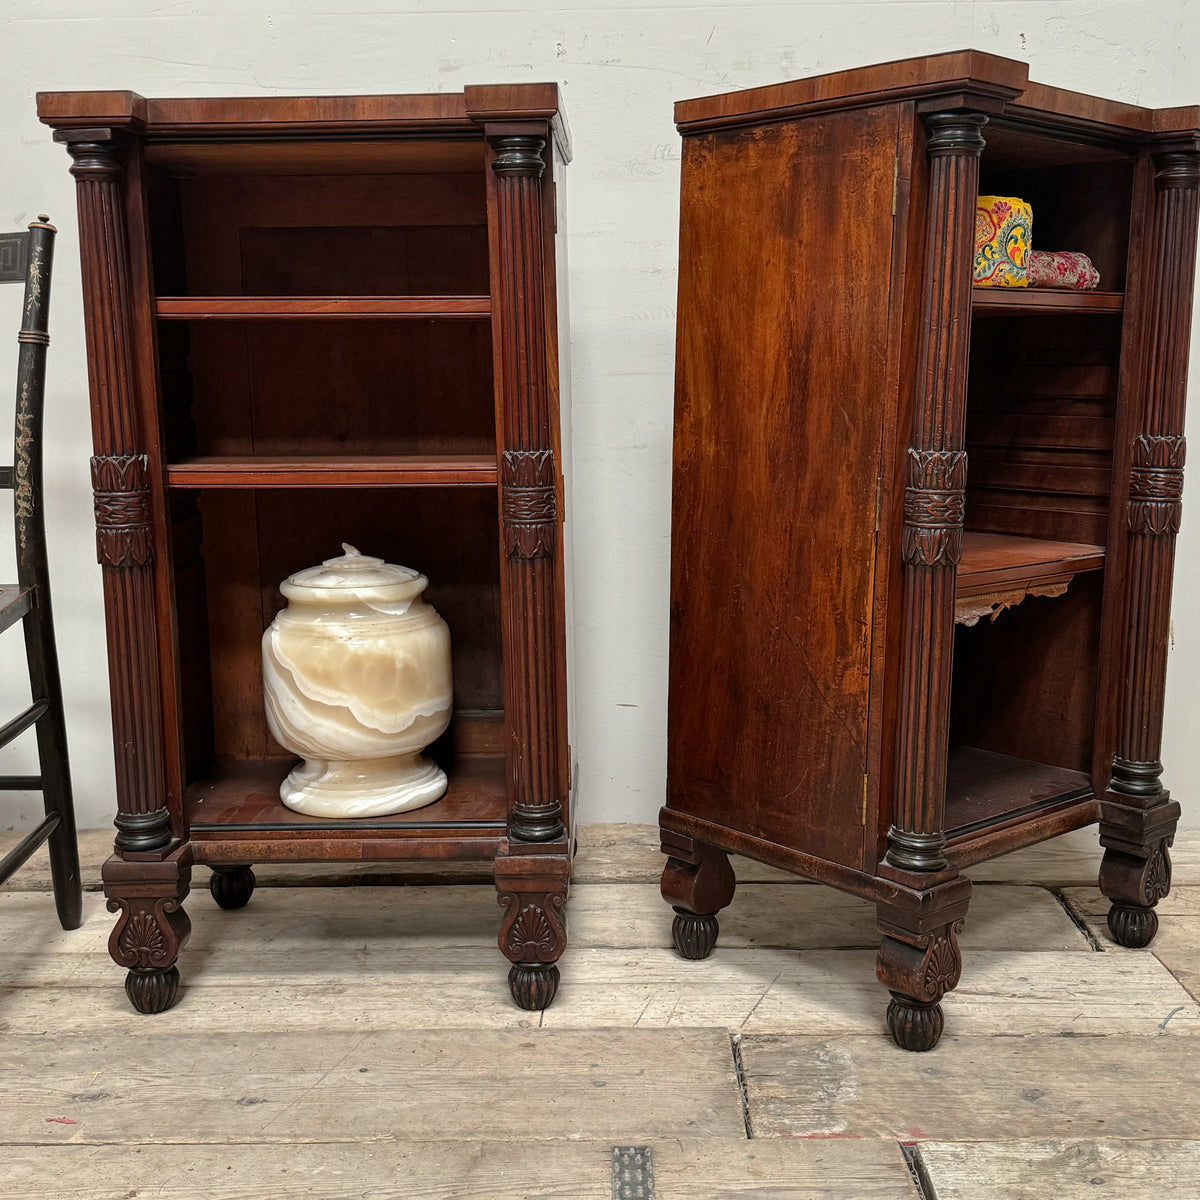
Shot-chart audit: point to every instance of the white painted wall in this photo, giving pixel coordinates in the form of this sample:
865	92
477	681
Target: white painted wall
621	64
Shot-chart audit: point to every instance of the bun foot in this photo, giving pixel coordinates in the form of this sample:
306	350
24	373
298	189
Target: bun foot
694	936
1132	925
151	990
533	985
232	887
914	1025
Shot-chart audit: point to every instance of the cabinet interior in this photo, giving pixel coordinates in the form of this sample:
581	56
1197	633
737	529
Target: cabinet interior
1041	416
323	391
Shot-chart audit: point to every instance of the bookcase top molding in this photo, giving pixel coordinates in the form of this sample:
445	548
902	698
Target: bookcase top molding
988	83
243	117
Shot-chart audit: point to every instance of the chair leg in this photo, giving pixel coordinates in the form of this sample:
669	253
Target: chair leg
63	844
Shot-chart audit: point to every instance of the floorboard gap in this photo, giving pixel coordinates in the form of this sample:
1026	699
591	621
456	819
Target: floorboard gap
735	1045
1076	919
916	1168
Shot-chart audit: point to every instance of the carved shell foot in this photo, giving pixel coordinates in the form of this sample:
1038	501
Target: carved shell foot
151	990
1132	925
232	887
694	936
533	985
914	1025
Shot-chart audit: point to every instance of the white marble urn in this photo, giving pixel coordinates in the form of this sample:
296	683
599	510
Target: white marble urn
356	673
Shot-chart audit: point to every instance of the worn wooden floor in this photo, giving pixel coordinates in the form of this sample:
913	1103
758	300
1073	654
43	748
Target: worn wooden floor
360	1042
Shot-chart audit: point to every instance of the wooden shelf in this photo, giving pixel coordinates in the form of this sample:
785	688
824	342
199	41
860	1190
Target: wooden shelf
279	308
237	812
334	471
984	788
1026	301
999	570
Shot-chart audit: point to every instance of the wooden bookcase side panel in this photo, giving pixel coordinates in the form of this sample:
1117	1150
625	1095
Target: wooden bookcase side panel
748	444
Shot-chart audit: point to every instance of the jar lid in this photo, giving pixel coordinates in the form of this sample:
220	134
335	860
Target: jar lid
354	576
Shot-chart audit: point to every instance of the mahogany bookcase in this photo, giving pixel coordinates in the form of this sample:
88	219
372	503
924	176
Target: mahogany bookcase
310	321
922	532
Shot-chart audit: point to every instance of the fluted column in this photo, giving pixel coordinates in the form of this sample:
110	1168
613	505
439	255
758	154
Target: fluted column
122	498
1138	817
528	490
936	476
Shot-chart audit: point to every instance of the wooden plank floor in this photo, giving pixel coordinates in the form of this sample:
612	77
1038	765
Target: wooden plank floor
333	1042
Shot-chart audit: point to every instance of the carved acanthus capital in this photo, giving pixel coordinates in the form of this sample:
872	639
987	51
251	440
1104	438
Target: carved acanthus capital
122	503
934	507
529	505
1156	484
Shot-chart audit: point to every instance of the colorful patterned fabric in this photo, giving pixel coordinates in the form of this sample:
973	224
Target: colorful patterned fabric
1062	269
1003	233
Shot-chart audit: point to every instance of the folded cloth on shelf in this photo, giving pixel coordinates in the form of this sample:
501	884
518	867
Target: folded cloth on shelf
1061	269
1003	233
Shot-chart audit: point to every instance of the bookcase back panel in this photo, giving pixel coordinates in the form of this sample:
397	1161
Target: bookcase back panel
254	540
1080	202
1048	714
1041	414
781	371
331	235
334	387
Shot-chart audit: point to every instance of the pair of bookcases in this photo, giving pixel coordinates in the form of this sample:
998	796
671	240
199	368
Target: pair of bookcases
323	320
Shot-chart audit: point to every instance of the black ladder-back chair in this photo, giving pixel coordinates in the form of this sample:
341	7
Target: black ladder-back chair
27	258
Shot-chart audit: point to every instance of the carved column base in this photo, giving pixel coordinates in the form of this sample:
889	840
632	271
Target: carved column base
232	887
533	985
532	889
919	959
694	934
697	882
1135	873
152	927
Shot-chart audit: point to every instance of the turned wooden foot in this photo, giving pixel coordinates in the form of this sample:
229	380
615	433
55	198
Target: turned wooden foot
1132	925
532	890
919	959
150	990
152	927
1135	877
914	1024
533	985
694	934
697	882
232	887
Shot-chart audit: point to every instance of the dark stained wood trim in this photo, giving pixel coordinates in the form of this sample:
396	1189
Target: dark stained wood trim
241	308
376	471
925	78
1013	301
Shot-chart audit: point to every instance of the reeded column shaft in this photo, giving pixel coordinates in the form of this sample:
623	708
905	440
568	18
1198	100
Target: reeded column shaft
1156	479
936	476
528	488
123	538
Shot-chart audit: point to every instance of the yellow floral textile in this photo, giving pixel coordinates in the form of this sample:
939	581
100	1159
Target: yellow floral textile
1003	234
